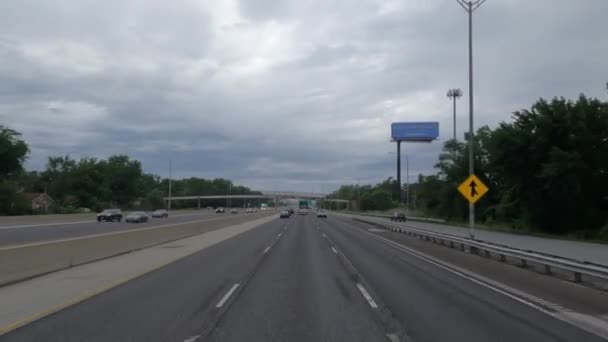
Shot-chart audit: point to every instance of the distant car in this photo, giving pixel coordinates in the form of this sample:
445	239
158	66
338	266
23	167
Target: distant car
234	211
284	214
110	215
398	217
220	210
209	208
303	211
161	213
322	213
137	217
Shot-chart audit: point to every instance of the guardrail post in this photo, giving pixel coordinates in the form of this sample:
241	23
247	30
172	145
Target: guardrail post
523	263
547	269
462	247
451	244
577	277
503	258
487	253
473	250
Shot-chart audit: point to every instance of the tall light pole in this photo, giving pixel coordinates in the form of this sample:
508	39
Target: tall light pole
454	94
170	176
407	185
470	7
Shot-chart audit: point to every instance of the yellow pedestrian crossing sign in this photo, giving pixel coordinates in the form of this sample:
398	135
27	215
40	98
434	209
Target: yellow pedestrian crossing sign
472	189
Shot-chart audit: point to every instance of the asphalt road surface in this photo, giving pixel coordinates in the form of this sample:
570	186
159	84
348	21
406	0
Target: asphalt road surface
41	231
300	279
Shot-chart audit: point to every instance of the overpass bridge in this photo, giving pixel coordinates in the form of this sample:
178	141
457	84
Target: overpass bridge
276	196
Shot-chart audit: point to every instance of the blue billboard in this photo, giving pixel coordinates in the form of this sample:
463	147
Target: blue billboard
415	131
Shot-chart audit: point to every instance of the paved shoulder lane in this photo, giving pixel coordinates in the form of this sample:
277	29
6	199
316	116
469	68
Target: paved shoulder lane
436	305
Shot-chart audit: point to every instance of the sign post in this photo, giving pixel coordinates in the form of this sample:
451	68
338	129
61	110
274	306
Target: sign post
472	189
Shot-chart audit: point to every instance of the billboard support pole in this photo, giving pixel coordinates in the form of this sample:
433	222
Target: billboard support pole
399	172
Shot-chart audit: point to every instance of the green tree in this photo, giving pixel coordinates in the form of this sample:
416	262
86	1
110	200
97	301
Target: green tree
122	175
550	163
13	152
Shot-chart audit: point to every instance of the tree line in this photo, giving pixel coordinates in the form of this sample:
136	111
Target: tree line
93	183
547	171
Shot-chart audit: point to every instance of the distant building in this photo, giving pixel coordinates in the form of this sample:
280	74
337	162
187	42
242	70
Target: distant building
40	201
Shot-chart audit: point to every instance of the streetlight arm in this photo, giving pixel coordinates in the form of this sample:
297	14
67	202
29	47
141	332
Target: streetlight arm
471	5
477	4
463	4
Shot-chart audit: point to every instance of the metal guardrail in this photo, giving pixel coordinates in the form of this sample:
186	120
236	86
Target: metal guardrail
412	218
578	268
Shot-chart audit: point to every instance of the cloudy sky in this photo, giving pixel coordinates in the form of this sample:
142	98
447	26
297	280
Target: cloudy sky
292	94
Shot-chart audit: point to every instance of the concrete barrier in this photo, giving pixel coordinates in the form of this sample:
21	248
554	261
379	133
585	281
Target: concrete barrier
26	261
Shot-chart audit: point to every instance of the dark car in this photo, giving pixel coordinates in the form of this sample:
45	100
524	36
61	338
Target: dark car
160	213
137	217
110	215
398	217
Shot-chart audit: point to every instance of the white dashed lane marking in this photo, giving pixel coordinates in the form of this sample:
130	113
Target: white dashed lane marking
192	338
227	295
266	250
334	250
367	297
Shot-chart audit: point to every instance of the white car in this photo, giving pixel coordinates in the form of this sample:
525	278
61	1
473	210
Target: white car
161	213
322	213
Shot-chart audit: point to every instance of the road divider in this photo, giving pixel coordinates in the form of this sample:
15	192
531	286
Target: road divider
21	262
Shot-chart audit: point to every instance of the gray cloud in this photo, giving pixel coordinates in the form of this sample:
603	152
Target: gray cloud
289	94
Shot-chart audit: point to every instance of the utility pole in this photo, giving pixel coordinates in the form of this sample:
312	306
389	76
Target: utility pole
359	194
170	176
470	7
454	94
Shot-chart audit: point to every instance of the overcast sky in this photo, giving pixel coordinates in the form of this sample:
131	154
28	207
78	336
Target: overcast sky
297	95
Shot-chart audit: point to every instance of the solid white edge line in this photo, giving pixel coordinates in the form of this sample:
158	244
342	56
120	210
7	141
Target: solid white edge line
45	224
227	295
334	250
367	297
266	250
460	274
564	316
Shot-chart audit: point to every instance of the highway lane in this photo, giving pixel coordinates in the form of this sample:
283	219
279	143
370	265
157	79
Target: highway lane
300	293
58	230
437	305
288	284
